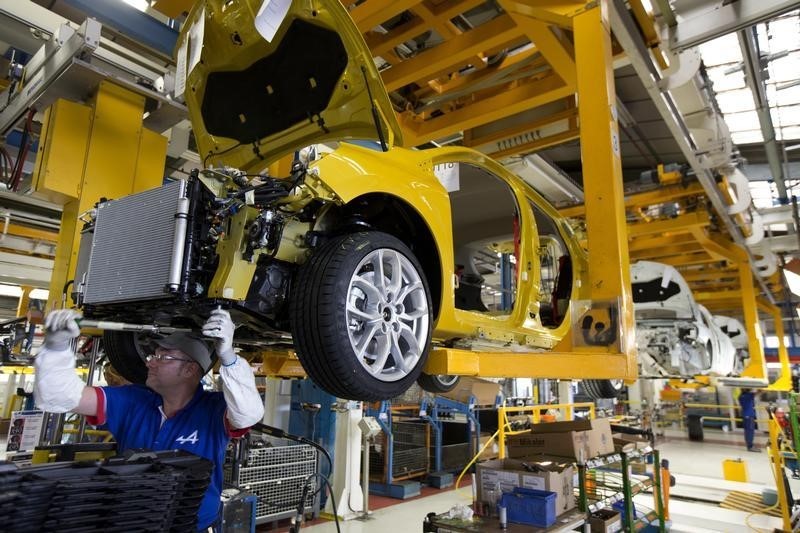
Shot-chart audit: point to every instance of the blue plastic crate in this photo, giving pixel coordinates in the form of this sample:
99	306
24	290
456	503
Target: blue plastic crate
530	506
620	506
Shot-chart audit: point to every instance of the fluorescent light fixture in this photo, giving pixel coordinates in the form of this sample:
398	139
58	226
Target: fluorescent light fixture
10	290
40	294
141	5
793	280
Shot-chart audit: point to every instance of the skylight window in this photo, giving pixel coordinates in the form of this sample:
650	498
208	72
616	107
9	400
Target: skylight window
779	43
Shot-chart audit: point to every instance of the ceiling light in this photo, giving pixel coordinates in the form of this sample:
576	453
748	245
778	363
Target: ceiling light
793	280
141	5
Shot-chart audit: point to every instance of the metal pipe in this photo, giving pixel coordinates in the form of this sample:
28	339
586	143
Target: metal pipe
755	82
365	475
123	326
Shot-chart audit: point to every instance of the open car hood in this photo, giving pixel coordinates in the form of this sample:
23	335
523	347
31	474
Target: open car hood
262	78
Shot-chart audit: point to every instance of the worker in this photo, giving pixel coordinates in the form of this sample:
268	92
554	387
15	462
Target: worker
172	411
747	402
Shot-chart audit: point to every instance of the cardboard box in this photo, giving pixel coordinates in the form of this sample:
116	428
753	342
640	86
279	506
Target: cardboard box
485	392
576	439
491	451
624	442
605	521
550	473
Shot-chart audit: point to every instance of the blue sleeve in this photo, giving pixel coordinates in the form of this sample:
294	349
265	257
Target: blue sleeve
122	405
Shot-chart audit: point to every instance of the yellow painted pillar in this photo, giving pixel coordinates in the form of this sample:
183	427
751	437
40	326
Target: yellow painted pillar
609	269
757	367
90	152
24	301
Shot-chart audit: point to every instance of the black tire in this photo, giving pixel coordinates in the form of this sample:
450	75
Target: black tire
437	383
319	318
126	355
598	389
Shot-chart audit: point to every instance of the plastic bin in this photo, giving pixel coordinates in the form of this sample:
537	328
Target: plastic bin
695	426
530	506
620	507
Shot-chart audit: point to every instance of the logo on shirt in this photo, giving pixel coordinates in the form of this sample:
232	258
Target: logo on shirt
191	438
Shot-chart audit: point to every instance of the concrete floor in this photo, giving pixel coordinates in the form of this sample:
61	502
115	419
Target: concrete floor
697	467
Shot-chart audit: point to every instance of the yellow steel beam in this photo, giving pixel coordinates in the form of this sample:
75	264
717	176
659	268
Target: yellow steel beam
720	296
173	8
719	246
558	12
666	251
24	300
690	260
607	238
553	365
552	43
682	223
757	367
29	233
119	157
451	54
710	275
380	44
539	144
445	28
371	13
645	199
471	140
514	100
650	242
528	60
784	381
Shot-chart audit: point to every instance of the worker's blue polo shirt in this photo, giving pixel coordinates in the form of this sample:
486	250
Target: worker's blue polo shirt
132	413
747	401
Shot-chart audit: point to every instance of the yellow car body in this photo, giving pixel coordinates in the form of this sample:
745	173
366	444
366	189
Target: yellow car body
361	240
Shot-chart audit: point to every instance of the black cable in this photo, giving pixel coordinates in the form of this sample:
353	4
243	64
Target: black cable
225	151
294	528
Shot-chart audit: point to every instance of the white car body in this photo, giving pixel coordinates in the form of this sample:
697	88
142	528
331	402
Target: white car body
676	336
737	333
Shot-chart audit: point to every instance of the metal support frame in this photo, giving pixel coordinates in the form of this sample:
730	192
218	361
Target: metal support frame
438	406
650	75
385	417
89	152
73	61
607	239
754	79
705	21
779	471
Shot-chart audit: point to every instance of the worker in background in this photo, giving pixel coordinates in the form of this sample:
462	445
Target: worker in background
172	411
747	402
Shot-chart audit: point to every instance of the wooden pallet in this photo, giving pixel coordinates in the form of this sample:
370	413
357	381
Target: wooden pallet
749	502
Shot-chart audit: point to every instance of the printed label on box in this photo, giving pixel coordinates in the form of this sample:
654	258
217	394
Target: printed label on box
533	482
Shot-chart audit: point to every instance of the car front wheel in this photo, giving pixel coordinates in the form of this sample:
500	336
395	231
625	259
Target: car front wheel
437	383
598	389
361	317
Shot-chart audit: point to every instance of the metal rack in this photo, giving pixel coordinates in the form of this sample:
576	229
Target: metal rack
439	411
276	475
606	480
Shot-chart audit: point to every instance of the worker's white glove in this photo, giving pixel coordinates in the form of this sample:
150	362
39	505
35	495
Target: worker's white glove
60	328
219	326
58	388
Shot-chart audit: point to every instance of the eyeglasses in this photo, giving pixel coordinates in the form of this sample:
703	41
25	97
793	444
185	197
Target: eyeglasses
166	357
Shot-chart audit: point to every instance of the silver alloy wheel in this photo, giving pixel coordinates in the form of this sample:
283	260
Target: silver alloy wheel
446	380
388	319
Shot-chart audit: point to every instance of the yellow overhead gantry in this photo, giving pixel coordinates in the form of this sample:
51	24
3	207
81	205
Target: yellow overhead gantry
609	271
